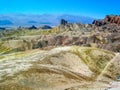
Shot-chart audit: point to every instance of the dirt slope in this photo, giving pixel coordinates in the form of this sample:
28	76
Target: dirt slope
62	68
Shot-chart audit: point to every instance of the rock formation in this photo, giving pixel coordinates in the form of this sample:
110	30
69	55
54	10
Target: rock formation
109	19
104	35
63	22
46	27
32	27
99	22
113	19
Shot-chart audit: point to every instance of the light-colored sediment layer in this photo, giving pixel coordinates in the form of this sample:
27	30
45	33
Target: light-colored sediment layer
62	68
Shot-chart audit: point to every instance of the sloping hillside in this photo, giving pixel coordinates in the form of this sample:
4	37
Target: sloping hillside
61	68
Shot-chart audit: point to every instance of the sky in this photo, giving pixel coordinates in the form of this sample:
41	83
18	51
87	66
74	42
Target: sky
91	8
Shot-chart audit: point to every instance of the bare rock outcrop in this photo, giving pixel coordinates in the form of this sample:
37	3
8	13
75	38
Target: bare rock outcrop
63	22
104	34
109	19
113	19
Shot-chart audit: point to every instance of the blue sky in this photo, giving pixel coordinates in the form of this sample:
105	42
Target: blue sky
91	8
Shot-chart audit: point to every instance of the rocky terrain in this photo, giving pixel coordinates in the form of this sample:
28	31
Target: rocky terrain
106	36
70	56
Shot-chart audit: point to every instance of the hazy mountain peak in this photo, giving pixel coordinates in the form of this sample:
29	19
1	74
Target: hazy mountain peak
37	19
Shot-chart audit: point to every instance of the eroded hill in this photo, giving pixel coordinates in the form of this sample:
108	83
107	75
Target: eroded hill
105	36
46	59
61	68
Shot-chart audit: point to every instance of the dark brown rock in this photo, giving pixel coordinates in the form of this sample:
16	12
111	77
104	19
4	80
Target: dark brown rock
99	22
32	27
63	22
109	19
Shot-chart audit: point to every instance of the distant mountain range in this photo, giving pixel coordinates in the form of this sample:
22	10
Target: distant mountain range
45	19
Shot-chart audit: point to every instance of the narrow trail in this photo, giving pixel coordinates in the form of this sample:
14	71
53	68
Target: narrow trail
105	69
